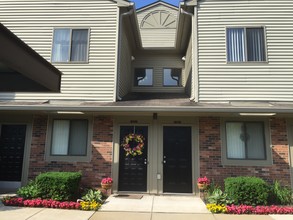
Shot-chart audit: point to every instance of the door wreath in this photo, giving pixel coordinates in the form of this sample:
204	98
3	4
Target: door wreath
133	144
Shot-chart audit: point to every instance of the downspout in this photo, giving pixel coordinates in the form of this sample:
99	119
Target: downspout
194	53
119	51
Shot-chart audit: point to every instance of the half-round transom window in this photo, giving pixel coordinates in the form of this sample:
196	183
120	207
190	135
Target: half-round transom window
159	19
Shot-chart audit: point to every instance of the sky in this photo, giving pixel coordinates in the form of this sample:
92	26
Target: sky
141	3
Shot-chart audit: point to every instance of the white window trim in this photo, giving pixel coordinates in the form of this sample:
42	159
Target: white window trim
68	158
71	62
243	162
172	86
134	78
246	60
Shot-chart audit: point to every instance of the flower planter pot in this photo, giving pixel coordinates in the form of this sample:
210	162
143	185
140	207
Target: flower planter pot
106	185
202	186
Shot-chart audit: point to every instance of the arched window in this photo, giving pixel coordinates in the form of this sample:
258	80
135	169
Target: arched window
159	19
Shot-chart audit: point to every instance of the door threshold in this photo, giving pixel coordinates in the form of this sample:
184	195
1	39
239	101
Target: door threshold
130	193
125	193
178	194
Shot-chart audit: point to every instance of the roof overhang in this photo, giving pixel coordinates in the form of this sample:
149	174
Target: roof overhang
183	31
134	33
18	56
122	3
135	26
189	2
158	106
155	4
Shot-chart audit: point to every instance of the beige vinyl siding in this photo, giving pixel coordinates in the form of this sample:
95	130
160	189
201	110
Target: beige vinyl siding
158	63
125	79
34	21
267	81
156	37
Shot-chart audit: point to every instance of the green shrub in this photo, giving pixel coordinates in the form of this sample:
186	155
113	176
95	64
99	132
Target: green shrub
30	191
279	195
61	186
247	190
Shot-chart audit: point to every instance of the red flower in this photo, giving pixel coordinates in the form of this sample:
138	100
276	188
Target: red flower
203	180
260	210
107	180
40	203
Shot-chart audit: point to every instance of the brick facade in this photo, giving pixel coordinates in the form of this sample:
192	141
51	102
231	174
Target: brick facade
210	153
93	171
209	145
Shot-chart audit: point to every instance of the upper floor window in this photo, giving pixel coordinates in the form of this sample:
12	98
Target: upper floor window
172	77
70	45
245	44
143	77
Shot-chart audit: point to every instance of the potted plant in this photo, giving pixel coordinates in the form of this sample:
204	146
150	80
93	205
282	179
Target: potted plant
107	183
203	182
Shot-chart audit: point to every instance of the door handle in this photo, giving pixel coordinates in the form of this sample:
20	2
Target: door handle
164	161
145	161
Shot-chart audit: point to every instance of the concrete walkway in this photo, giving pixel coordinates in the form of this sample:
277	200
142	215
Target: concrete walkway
167	208
157	204
21	213
146	208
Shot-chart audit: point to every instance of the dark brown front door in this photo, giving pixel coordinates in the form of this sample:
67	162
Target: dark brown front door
133	169
12	142
177	157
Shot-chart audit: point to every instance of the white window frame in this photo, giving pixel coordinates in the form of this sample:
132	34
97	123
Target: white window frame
135	79
70	40
246	162
245	44
180	78
68	158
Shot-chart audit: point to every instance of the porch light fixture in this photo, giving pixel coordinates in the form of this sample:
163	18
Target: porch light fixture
69	113
257	114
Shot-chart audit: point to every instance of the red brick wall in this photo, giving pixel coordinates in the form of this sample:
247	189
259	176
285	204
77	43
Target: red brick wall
209	143
210	153
93	171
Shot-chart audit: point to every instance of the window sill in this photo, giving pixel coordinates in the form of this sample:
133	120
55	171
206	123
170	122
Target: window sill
165	86
71	62
68	158
226	162
247	62
144	86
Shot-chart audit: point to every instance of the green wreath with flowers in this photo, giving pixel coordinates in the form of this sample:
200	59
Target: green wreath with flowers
133	144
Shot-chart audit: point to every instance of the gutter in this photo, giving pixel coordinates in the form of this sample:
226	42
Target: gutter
119	50
109	108
192	98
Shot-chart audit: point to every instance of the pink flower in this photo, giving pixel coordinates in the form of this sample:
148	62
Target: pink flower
107	180
203	180
260	210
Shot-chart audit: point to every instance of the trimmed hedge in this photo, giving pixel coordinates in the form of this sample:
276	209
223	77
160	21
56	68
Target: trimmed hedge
60	186
247	190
